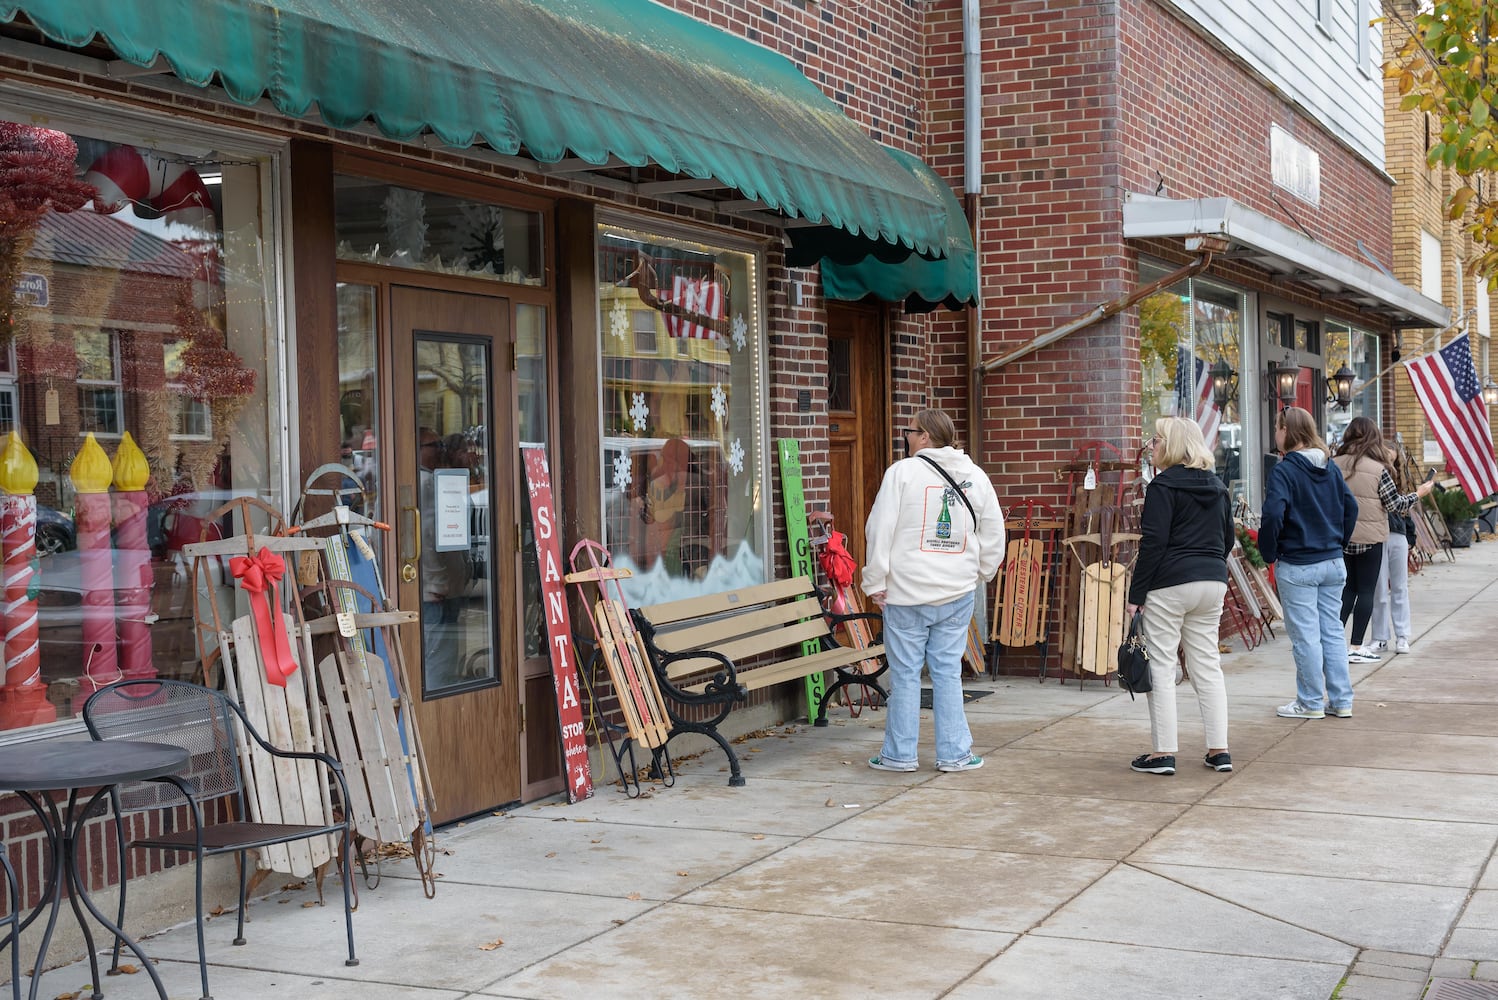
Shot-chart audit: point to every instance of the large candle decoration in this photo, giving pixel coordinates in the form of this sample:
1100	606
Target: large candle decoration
133	560
23	699
91	475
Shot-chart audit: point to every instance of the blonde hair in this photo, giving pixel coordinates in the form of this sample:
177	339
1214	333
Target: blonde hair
1300	430
937	424
1181	443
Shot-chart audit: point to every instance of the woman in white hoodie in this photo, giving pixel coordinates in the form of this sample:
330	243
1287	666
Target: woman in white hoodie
931	540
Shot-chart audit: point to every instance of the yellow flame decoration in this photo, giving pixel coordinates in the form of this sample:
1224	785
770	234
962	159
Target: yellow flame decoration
130	467
90	471
18	472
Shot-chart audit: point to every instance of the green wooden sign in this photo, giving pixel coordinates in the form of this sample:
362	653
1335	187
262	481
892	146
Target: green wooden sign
799	542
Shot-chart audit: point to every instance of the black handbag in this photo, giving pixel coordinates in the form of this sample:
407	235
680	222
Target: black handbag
1134	660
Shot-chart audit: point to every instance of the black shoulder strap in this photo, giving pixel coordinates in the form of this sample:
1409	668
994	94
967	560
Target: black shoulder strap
952	483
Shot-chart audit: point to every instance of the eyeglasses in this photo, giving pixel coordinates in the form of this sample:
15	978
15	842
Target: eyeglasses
912	430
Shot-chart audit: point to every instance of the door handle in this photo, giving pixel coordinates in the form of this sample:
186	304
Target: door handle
409	562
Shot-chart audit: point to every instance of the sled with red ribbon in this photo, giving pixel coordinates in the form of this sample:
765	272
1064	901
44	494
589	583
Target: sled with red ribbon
251	633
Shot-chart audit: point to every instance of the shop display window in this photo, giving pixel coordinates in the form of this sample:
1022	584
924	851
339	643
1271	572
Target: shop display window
682	407
138	379
1359	350
1184	331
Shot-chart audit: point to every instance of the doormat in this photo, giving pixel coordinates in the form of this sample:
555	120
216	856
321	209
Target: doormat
968	695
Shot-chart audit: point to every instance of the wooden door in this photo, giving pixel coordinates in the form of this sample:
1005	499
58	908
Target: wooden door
857	422
454	513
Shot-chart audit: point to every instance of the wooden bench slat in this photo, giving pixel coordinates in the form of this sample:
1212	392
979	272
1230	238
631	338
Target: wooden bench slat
724	629
672	612
776	673
758	644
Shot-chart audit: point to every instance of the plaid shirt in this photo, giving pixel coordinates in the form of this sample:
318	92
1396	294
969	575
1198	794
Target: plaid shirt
1393	501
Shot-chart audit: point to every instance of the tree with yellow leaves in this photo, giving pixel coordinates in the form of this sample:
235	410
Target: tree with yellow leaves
1443	69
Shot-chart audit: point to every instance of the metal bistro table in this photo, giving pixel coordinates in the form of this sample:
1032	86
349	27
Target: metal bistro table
72	766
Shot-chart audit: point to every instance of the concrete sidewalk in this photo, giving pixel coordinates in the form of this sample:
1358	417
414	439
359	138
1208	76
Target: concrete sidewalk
1346	858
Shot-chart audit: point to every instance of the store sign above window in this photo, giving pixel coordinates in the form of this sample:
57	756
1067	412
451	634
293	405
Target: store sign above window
1295	166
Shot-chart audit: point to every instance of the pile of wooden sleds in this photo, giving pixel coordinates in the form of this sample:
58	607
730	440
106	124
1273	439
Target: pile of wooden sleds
1080	560
293	623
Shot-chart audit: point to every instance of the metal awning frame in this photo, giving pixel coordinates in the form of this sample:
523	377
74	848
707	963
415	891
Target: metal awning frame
1288	255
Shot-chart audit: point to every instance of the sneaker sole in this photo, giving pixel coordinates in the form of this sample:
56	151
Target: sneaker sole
893	770
949	769
1296	715
1153	770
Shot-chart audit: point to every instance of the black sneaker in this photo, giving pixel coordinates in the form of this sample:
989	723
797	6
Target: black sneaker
1150	764
1219	761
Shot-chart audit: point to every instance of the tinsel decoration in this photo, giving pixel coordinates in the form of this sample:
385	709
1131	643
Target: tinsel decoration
405	224
36	174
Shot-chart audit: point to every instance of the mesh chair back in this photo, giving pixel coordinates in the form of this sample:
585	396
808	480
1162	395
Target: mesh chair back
177	713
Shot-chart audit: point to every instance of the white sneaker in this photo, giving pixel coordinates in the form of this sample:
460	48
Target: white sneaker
1401	645
1380	647
1363	654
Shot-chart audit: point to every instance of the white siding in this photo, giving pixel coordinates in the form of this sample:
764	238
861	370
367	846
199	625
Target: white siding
1315	67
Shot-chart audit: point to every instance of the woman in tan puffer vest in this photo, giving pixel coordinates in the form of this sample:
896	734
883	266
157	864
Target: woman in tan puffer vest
1363	460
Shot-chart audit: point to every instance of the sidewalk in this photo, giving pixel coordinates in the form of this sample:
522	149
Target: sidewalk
1346	858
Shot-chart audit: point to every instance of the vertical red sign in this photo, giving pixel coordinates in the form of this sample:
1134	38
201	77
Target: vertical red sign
558	626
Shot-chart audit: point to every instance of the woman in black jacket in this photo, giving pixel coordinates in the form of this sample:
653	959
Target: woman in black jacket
1180	580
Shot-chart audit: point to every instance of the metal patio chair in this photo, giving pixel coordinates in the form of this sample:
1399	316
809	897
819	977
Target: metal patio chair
13	939
214	730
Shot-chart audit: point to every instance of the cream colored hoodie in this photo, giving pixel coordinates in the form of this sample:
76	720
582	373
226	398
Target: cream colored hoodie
908	554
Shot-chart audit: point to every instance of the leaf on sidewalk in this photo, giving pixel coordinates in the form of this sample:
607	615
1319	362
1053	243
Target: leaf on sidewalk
490	946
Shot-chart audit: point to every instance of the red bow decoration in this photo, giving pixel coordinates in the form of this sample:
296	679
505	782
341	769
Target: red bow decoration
257	574
836	561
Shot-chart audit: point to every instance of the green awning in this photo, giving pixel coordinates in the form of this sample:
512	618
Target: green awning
923	285
591	79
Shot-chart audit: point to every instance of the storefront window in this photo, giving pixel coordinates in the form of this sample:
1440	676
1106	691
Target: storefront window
1359	350
683	472
138	379
1184	332
380	223
358	392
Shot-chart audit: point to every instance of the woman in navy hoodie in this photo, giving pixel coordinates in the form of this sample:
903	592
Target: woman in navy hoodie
1309	515
1180	579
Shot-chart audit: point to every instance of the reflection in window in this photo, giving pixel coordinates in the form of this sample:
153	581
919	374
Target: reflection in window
1184	331
1359	350
134	355
535	428
358	401
384	224
682	471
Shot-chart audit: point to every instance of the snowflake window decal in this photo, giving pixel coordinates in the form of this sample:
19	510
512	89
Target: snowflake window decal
639	412
736	457
619	320
624	475
719	404
740	332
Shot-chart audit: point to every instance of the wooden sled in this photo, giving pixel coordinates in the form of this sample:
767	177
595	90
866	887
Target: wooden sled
1022	598
277	790
1104	589
855	633
618	648
367	700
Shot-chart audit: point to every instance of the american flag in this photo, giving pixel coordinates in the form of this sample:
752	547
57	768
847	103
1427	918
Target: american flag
704	297
1194	395
1446	384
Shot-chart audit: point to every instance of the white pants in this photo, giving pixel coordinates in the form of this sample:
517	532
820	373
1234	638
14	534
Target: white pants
1393	589
1186	615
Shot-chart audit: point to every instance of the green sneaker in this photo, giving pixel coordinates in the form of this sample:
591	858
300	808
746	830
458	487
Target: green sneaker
971	764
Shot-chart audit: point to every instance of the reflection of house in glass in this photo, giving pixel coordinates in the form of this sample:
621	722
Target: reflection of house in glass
108	344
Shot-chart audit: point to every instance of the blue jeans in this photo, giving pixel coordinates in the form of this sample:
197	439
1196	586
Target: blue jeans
1312	598
934	636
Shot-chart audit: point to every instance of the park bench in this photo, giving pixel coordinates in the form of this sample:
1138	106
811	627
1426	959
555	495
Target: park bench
709	652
